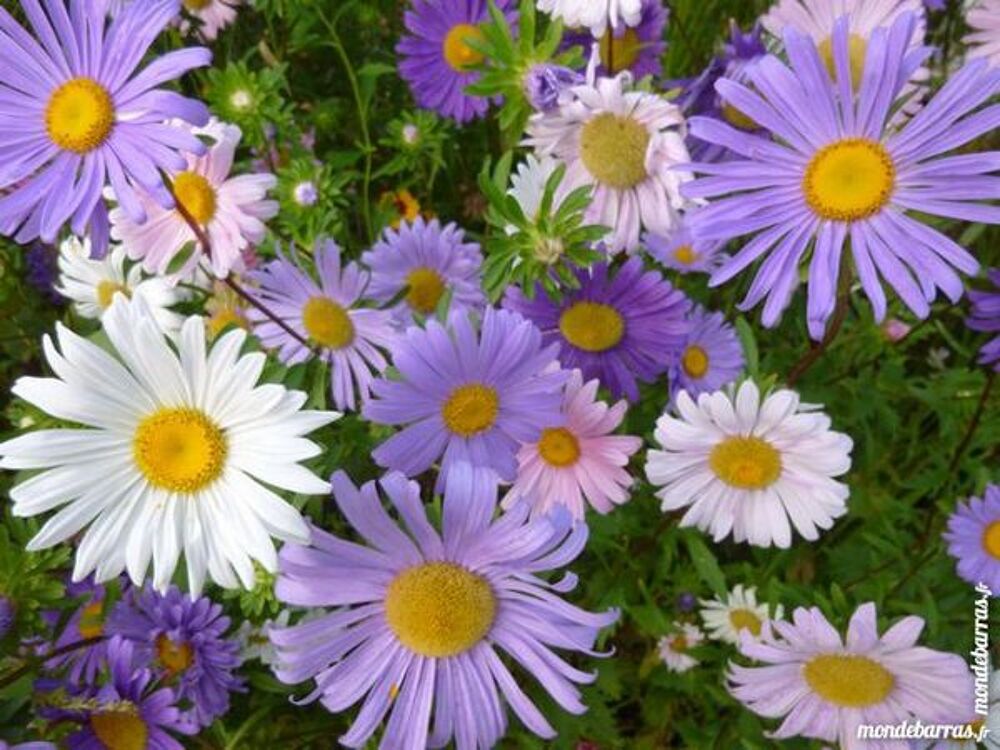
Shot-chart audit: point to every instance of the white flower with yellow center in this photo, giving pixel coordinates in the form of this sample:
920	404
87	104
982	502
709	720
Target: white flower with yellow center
747	468
596	15
673	648
738	615
173	455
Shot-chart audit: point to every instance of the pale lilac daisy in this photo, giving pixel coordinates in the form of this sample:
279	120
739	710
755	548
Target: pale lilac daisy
984	20
973	538
674	648
986	318
211	15
710	358
680	251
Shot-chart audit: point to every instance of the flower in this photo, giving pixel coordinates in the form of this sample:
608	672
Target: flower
618	329
578	462
747	467
171	455
527	185
184	641
984	20
8	615
427	261
329	314
42	266
986	317
637	47
420	620
973	538
626	144
681	252
93	284
545	83
224	308
213	15
72	123
896	330
28	746
83	665
826	687
436	59
305	193
711	357
837	172
231	210
255	642
404	206
594	14
686	601
738	614
674	648
467	398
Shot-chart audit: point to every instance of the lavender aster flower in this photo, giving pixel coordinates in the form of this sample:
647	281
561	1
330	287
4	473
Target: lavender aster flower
973	538
617	329
544	83
711	357
74	115
986	318
82	665
637	48
28	746
681	252
839	171
183	640
422	616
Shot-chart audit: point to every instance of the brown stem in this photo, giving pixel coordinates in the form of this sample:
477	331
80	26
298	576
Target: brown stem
977	417
812	356
18	673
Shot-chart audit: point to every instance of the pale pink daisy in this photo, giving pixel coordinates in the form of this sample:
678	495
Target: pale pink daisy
579	462
674	648
232	211
212	15
984	20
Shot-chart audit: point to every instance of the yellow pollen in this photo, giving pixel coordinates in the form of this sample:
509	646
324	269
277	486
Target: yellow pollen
991	539
106	290
426	288
745	462
470	409
744	619
613	149
736	118
175	657
457	52
857	47
679	643
121	729
327	323
685	255
218	322
849	180
848	680
695	362
80	115
559	447
592	326
196	195
622	50
91	623
179	449
439	609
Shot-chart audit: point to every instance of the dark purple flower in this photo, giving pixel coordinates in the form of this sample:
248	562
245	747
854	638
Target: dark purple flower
986	317
7	614
544	84
686	602
82	665
43	270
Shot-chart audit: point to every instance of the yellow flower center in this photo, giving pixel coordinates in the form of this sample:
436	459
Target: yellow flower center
80	115
559	447
621	51
225	317
613	149
849	180
196	195
848	680
439	609
991	539
857	47
91	623
106	291
745	462
425	289
592	326
679	643
195	5
457	52
736	118
179	449
121	729
470	409
695	362
685	255
744	619
175	657
327	323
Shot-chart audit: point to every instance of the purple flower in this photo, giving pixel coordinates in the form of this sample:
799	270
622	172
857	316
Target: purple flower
7	615
973	538
472	399
74	116
618	330
83	665
686	602
544	83
436	59
986	317
681	252
711	357
28	746
421	616
42	262
183	640
636	48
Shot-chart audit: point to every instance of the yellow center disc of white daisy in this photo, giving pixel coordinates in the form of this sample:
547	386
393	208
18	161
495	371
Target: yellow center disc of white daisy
121	729
79	115
439	609
196	195
470	409
457	52
226	317
619	53
849	180
592	326
174	657
857	47
745	462
848	680
685	255
678	643
991	539
559	447
91	624
744	619
425	289
613	149
327	323
695	361
106	290
736	118
179	449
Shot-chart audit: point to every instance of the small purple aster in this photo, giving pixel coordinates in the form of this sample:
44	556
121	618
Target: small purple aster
8	614
973	537
545	83
686	602
617	329
183	641
986	317
83	665
428	261
471	397
42	262
436	59
636	48
712	355
682	252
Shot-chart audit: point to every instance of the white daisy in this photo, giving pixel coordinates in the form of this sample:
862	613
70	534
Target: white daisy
527	185
213	15
748	468
984	41
739	613
594	14
255	642
92	284
172	455
623	143
674	648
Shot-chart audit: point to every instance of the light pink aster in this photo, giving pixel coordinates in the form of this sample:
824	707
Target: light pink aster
214	15
984	20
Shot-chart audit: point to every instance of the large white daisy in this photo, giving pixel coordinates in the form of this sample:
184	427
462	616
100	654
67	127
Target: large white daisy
736	615
172	457
596	15
747	468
